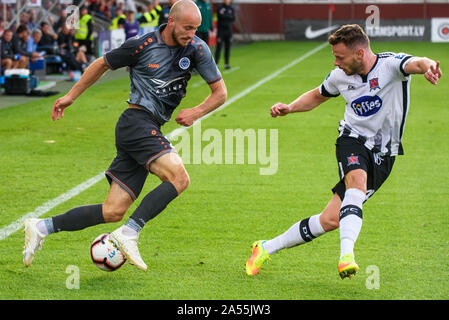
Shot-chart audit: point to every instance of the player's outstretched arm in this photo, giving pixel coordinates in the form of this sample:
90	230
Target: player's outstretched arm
89	77
219	93
426	66
305	102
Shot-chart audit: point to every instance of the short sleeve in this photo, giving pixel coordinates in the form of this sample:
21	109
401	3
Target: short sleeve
205	64
125	55
329	88
399	61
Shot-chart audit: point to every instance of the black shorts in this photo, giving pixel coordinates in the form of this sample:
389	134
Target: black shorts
139	141
352	154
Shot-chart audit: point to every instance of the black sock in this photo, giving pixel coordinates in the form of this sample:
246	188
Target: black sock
79	218
154	202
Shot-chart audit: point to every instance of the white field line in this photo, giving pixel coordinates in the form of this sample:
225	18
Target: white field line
47	206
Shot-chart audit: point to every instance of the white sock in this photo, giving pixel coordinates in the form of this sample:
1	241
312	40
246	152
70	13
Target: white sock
42	226
350	219
129	232
301	232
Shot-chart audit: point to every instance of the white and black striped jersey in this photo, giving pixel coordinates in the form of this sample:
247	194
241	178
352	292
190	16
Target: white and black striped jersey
376	104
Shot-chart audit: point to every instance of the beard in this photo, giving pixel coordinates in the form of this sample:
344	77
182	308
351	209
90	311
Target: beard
354	68
179	40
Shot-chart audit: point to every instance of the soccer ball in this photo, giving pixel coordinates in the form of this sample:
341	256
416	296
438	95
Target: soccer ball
105	255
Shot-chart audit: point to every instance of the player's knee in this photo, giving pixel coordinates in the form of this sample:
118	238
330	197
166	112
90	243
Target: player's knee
330	222
176	175
356	179
181	180
330	225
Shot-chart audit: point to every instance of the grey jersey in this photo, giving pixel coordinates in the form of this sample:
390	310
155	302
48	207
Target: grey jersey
159	73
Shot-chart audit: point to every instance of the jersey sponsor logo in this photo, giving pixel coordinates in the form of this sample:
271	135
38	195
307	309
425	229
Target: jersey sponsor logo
366	106
312	34
153	65
374	84
164	88
351	87
184	63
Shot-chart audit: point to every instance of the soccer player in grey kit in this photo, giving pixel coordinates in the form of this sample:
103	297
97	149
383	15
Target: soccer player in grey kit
160	65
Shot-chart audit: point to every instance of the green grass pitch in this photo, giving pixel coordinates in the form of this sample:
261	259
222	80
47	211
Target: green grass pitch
197	248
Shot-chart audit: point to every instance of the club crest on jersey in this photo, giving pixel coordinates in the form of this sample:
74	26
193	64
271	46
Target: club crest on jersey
366	106
353	160
184	63
374	84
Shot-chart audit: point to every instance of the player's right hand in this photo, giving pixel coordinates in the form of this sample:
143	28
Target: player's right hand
279	109
434	73
59	106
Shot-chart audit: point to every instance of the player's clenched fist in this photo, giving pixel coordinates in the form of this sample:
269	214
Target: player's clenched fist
279	109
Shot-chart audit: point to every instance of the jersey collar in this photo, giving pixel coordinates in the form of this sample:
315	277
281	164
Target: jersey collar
158	33
365	76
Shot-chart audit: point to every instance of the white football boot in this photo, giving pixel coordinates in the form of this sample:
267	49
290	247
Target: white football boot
33	240
128	246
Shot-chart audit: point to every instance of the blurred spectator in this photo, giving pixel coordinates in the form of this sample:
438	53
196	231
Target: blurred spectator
119	20
131	25
150	18
100	8
24	18
165	11
31	20
33	42
156	12
10	59
20	41
75	59
113	6
62	19
84	33
206	22
140	12
105	9
225	18
48	39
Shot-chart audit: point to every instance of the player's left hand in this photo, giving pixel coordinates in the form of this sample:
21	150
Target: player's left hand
186	117
434	73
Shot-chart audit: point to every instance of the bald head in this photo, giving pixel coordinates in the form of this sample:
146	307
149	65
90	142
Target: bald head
184	19
183	8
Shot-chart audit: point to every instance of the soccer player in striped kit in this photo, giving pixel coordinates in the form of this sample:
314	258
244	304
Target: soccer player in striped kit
376	90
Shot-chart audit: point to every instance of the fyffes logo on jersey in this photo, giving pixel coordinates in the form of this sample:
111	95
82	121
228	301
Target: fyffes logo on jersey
366	106
184	63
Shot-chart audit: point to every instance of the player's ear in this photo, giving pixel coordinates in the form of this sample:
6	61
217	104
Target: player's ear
359	53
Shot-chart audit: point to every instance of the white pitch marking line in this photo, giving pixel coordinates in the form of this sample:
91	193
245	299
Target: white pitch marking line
47	206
